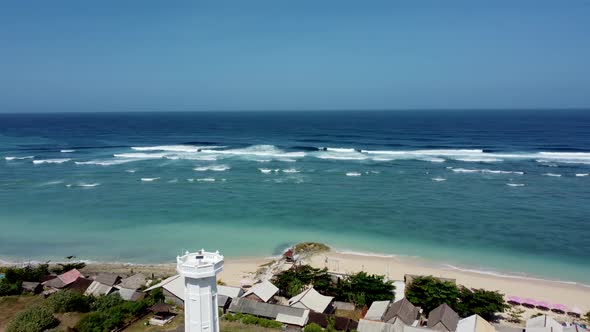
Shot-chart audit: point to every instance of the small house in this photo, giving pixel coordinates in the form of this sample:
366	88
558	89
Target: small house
403	311
32	287
135	281
474	323
172	288
261	292
312	300
443	318
543	323
377	310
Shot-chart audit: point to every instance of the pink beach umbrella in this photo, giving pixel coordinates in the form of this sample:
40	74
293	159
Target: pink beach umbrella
530	303
576	312
542	305
559	308
515	300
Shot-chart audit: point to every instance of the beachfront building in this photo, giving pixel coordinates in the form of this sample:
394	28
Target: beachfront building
474	323
172	288
443	318
312	300
262	292
290	316
377	311
543	323
402	311
199	271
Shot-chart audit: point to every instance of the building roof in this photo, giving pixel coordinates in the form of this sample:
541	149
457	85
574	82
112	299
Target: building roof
129	294
63	279
377	310
98	289
344	324
343	305
135	281
474	323
160	307
174	285
108	279
311	299
374	326
293	319
445	315
543	323
318	318
80	285
261	309
402	309
222	300
229	291
264	290
31	286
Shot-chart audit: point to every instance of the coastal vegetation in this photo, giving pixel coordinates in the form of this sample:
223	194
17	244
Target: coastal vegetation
14	277
310	248
430	292
360	288
35	319
252	320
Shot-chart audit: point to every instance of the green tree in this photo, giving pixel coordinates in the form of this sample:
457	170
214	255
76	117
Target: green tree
68	301
104	303
429	292
481	302
303	275
313	327
362	287
34	319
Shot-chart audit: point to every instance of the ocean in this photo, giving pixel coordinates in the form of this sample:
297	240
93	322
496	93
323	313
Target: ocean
504	192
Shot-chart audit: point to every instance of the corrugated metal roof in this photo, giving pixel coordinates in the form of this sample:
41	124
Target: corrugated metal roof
174	285
445	314
312	300
262	309
377	310
374	326
404	310
108	279
474	323
97	289
293	320
229	291
264	290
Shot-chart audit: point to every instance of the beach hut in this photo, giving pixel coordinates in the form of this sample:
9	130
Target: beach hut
162	314
98	289
403	311
261	292
135	281
312	300
32	287
63	279
443	318
172	288
377	310
474	323
543	323
229	291
80	285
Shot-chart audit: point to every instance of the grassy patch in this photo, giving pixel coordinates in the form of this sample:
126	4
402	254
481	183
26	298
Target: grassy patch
12	305
69	319
310	248
352	314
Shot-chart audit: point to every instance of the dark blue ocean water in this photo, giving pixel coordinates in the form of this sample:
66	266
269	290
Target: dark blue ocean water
504	191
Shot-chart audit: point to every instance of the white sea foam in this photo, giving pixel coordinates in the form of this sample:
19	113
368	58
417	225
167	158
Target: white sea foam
581	174
433	159
291	170
174	148
479	160
50	161
490	171
131	171
267	151
19	158
50	183
149	179
206	180
439	179
353	174
108	162
190	180
67	151
341	149
215	168
552	174
464	170
348	156
140	155
515	184
88	185
265	170
173	181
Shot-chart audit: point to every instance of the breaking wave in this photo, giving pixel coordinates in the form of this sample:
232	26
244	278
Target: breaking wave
582	174
552	174
515	184
67	151
353	174
175	148
206	180
215	168
149	179
19	158
439	179
50	161
489	171
108	162
291	170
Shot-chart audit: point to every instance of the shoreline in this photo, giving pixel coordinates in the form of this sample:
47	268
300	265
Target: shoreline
236	270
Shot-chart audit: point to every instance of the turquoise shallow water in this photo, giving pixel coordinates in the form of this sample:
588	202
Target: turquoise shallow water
504	192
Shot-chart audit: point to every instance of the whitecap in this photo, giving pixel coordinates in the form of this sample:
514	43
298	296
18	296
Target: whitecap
339	149
490	171
215	168
140	155
291	170
464	170
265	170
173	181
131	171
50	183
190	180
439	179
515	184
268	151
67	151
479	160
149	179
88	185
581	174
552	174
19	158
50	161
206	180
353	174
175	148
108	162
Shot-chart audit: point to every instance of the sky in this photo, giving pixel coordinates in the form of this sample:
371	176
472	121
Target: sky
93	56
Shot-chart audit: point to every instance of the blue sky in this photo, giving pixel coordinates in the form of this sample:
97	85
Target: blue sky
291	55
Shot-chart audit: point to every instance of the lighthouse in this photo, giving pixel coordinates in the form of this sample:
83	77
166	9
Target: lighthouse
199	270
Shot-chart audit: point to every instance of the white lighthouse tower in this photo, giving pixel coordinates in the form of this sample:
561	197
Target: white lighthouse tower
199	270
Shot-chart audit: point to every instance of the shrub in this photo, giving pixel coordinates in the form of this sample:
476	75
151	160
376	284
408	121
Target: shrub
7	288
92	322
269	323
35	319
429	293
61	268
27	273
364	288
249	319
68	301
103	303
313	327
481	302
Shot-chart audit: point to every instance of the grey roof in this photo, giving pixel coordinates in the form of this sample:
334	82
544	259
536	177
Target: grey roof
264	290
31	286
136	281
373	326
229	291
445	314
108	279
343	305
98	289
402	309
377	310
222	300
54	283
261	309
128	294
